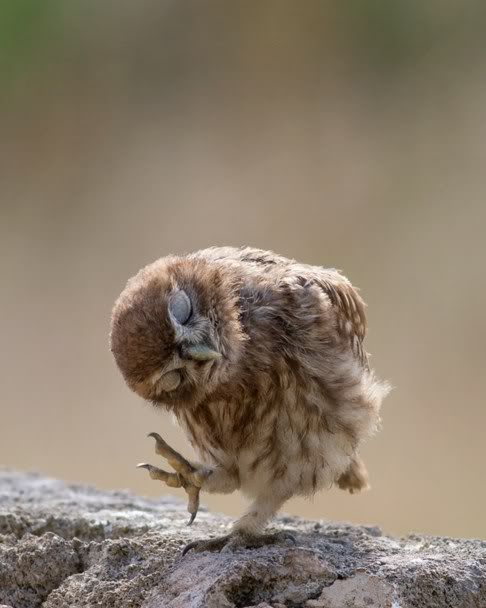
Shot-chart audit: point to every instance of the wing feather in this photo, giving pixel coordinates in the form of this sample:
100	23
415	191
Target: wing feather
349	306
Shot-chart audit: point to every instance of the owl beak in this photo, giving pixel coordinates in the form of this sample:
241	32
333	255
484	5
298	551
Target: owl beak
202	352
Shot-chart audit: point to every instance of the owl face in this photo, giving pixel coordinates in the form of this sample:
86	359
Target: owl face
174	332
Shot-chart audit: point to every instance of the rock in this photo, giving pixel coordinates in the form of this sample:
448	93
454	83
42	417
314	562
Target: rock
361	590
70	545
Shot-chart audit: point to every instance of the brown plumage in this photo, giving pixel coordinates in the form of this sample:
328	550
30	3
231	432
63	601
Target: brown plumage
261	360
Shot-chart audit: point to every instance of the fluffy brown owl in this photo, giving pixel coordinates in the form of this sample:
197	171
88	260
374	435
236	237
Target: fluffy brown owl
261	360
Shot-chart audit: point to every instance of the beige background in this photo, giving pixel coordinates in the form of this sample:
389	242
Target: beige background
335	136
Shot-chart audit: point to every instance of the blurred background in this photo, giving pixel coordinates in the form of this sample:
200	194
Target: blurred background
348	134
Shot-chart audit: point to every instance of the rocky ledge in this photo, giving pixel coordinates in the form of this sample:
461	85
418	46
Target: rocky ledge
70	545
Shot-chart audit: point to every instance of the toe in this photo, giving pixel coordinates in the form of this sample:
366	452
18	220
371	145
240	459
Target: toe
176	460
171	479
211	544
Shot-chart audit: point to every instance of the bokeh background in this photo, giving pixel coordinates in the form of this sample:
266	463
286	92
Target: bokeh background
348	134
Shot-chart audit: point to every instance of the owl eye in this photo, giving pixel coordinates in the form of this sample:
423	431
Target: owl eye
170	381
180	307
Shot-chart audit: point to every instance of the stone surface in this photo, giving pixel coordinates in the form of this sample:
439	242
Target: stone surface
69	545
361	590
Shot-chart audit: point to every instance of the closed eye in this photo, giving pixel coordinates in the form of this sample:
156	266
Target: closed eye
180	307
169	381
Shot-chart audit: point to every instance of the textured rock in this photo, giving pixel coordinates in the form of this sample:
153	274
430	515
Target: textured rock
65	545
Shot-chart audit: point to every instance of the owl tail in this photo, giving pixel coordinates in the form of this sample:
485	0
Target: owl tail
355	478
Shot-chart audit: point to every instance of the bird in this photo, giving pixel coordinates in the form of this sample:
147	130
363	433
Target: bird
261	361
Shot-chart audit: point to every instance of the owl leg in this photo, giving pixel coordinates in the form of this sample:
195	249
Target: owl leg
187	476
248	530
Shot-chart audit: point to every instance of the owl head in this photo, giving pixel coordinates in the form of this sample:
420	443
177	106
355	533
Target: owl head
175	330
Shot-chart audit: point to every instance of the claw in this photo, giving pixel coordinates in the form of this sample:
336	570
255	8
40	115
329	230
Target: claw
193	503
186	475
176	461
189	546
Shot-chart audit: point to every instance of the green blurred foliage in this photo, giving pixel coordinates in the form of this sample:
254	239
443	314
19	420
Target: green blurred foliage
392	34
28	29
384	35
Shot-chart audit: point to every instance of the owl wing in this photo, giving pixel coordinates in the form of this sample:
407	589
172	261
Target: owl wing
349	308
345	300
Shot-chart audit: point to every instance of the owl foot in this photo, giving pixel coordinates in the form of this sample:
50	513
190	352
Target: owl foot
237	541
186	476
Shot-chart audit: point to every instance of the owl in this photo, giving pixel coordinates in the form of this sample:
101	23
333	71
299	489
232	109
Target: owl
261	361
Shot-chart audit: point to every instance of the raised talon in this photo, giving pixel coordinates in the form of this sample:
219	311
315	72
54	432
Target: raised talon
186	475
176	460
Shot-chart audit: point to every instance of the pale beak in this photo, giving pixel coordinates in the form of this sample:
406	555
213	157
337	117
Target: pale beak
201	352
